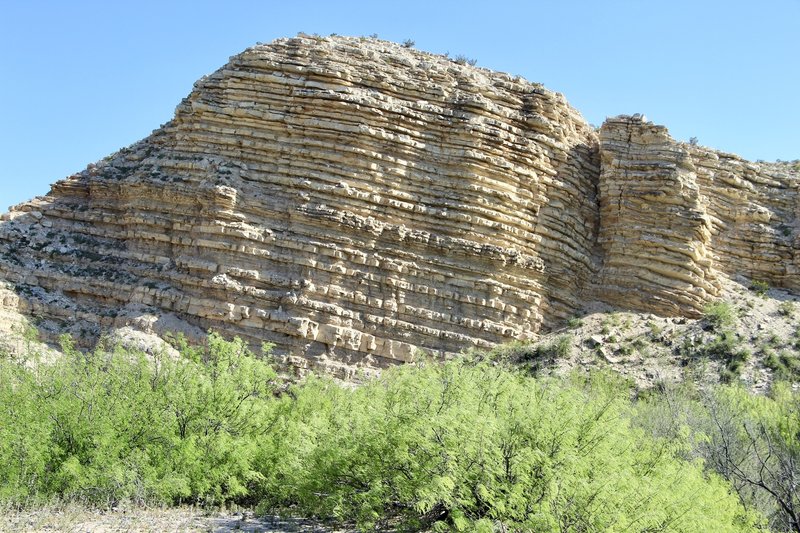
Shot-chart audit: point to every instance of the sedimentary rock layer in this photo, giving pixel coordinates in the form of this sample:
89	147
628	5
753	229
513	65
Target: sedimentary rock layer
654	232
352	200
753	209
349	200
675	217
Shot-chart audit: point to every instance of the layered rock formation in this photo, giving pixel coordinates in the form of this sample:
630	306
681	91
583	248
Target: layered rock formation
654	231
675	217
753	209
351	200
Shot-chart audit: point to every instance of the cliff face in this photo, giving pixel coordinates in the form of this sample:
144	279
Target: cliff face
676	217
351	200
654	231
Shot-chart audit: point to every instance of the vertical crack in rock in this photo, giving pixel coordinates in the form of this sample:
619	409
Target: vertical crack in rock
654	231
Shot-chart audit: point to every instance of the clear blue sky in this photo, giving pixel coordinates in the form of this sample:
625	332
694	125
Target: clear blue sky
79	80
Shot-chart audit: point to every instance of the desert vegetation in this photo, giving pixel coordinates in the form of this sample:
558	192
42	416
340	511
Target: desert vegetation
474	444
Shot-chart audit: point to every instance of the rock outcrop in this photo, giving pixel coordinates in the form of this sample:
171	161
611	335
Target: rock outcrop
352	200
654	231
753	209
675	217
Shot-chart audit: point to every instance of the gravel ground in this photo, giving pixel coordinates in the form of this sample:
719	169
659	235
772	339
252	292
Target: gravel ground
76	519
643	347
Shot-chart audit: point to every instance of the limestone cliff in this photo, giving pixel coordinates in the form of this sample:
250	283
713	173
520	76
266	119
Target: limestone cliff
352	200
676	217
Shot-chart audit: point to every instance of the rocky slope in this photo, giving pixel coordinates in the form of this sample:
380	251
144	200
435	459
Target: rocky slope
749	336
352	200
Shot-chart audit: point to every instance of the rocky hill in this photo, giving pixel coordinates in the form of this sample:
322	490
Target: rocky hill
352	200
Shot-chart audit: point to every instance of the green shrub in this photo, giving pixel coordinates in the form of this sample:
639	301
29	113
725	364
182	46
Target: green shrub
574	322
531	356
773	339
655	329
787	308
639	343
477	448
751	440
113	424
784	365
625	349
464	60
719	314
724	346
759	287
721	346
514	352
560	348
462	446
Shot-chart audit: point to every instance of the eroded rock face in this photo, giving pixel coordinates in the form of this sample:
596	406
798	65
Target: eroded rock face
351	200
654	230
676	217
753	209
347	200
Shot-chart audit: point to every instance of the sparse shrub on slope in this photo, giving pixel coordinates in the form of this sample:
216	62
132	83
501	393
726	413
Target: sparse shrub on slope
529	356
719	315
725	346
785	365
759	287
787	309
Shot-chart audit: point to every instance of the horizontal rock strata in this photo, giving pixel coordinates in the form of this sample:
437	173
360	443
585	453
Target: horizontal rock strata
654	232
352	201
753	209
674	217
